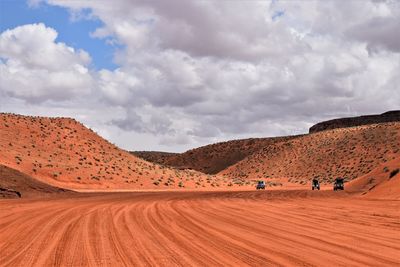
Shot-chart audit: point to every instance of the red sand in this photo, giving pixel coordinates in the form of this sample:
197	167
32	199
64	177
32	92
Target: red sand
270	228
382	182
291	227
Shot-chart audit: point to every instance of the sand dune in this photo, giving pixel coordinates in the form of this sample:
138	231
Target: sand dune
275	228
382	182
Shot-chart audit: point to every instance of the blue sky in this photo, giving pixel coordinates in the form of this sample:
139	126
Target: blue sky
14	13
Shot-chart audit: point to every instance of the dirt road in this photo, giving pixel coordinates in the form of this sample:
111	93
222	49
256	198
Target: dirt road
289	228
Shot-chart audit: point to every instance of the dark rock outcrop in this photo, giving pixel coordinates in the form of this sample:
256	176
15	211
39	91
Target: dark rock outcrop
390	116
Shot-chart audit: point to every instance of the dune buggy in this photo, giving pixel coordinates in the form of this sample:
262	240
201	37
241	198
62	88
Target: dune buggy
315	184
260	185
338	184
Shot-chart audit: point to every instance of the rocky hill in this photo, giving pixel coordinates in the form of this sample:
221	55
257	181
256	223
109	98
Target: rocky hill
211	159
347	152
390	116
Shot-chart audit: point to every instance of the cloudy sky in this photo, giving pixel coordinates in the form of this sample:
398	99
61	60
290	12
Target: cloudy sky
172	75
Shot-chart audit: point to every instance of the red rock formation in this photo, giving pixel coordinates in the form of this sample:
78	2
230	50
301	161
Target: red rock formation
390	116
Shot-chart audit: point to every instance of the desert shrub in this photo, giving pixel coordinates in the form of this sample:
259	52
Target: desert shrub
393	173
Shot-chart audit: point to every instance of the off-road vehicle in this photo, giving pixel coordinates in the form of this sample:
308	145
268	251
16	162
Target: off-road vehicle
260	185
338	184
315	184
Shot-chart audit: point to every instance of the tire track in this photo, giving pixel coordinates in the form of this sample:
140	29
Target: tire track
278	228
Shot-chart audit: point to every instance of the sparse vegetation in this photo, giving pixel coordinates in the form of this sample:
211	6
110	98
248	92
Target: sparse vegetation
57	145
350	153
50	147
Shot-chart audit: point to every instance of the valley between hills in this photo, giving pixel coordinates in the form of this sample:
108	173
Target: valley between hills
68	197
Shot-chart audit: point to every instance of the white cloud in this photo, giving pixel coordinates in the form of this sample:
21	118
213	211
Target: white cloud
36	68
196	72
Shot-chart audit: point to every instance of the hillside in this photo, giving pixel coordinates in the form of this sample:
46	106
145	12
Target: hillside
390	116
382	182
14	184
347	152
63	152
213	158
155	156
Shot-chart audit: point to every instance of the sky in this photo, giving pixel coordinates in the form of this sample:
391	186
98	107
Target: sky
178	74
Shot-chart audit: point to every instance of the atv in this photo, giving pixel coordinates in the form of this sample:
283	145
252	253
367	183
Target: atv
260	185
338	184
315	184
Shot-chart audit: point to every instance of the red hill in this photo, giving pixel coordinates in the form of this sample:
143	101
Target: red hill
347	152
63	152
211	159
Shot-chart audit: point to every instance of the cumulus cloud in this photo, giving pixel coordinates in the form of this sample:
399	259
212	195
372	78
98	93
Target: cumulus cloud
147	120
195	72
36	68
379	34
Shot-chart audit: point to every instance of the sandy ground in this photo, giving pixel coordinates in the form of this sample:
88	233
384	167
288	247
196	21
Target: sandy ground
268	228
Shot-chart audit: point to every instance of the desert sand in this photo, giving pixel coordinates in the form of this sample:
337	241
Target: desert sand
268	228
74	199
382	182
